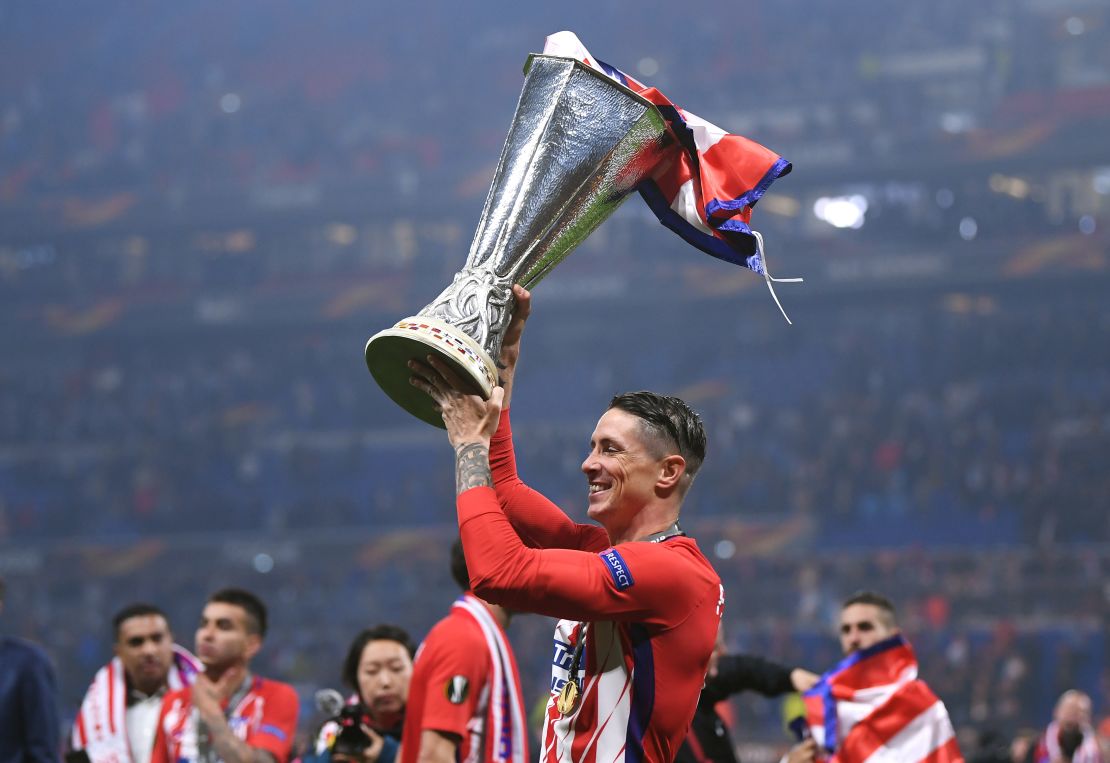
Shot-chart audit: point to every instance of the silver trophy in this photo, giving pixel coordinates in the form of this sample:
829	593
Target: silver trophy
578	144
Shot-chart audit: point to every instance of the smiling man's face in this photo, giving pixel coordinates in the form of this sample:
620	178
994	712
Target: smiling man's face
621	470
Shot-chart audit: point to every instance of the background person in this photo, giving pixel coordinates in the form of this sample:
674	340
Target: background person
882	708
228	714
465	703
1069	738
28	701
709	739
378	666
119	715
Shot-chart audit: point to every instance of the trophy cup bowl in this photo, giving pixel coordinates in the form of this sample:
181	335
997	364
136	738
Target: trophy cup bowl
579	143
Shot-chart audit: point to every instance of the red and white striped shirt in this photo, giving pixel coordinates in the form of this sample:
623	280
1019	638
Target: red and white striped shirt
265	717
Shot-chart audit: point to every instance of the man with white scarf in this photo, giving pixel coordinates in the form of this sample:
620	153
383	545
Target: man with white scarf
119	714
1070	737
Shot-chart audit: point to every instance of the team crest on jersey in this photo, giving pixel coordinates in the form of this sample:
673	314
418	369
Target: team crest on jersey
618	568
457	689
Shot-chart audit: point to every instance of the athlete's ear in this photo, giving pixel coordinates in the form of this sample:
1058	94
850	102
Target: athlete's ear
671	470
254	644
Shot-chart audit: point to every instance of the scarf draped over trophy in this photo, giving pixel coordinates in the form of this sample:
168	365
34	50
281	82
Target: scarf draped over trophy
706	191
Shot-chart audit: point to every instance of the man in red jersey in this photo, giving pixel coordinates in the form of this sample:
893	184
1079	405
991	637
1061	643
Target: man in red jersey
464	699
639	604
228	714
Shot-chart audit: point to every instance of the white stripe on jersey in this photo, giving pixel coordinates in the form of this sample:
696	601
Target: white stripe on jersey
558	735
614	694
607	696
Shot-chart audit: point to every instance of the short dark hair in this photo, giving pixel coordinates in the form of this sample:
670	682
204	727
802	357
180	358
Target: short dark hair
248	602
383	632
138	609
669	421
458	566
885	605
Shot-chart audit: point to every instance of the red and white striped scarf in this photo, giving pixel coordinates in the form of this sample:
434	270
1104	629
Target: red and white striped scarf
101	726
873	707
504	705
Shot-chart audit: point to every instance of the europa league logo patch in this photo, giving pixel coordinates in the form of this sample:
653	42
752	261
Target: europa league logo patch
457	689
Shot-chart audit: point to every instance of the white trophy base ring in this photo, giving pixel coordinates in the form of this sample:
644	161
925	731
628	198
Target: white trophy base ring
388	353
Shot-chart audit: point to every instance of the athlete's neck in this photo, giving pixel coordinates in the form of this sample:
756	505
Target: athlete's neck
149	688
642	527
500	614
215	673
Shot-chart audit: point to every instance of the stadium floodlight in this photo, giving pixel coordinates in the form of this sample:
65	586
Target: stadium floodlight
1101	180
841	211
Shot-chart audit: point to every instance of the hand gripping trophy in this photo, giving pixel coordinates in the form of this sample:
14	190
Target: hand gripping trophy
583	137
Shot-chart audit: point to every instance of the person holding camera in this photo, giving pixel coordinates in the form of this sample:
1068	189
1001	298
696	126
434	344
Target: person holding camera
465	704
378	666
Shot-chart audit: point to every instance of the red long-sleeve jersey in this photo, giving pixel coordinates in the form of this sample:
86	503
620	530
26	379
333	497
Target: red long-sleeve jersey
265	718
652	610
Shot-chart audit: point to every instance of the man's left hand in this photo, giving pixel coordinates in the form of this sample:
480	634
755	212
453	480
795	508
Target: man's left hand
468	418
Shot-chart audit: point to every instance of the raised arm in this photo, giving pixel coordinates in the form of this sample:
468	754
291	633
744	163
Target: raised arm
657	584
473	422
540	523
746	672
510	344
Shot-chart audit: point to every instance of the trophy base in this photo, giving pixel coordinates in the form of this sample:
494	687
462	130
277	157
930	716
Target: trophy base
388	353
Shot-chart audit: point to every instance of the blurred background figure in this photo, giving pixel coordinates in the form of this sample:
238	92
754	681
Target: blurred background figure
228	713
1069	738
465	698
709	738
118	718
873	700
28	701
378	666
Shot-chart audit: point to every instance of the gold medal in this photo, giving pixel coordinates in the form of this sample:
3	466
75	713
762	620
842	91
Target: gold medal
568	698
568	695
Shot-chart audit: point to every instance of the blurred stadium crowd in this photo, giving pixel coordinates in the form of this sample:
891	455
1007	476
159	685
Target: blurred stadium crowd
206	209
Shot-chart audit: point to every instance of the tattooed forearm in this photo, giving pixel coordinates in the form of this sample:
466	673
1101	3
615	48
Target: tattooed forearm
472	467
